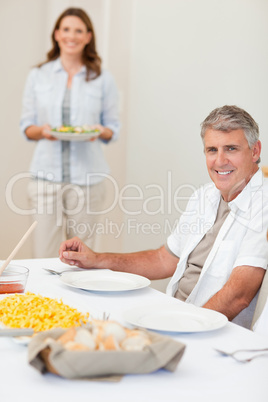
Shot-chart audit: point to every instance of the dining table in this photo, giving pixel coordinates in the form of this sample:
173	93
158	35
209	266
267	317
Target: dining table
202	374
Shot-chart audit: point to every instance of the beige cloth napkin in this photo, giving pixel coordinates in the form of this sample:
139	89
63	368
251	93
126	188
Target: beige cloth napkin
163	352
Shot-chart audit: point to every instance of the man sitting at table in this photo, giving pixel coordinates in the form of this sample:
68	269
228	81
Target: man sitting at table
221	268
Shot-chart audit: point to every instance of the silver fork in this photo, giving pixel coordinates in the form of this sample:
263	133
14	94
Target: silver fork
105	316
243	360
53	272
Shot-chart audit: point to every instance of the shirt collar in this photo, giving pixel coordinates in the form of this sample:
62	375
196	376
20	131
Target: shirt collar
58	67
213	196
244	199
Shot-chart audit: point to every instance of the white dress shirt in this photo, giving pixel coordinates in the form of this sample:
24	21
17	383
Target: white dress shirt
240	241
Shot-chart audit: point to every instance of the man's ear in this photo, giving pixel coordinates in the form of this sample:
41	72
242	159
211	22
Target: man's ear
256	151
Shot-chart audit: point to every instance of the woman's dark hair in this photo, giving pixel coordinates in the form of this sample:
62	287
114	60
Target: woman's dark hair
90	57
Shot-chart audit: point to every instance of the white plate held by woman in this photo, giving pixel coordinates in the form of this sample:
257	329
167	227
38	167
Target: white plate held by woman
66	136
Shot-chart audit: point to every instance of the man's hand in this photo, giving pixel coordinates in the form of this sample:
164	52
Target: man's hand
153	264
75	252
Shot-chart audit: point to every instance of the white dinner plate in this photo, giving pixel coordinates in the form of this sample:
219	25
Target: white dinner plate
21	340
175	318
73	136
4	295
104	280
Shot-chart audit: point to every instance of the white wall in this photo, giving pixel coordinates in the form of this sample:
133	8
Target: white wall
174	61
189	57
22	45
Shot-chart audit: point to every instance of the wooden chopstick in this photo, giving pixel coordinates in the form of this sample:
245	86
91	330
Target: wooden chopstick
18	246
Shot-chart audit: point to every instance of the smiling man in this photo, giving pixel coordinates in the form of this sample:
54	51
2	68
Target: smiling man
221	267
231	159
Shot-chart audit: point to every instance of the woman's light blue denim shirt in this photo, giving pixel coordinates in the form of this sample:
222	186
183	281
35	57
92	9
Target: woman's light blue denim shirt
93	102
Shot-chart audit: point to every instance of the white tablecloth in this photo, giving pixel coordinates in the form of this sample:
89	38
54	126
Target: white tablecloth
202	374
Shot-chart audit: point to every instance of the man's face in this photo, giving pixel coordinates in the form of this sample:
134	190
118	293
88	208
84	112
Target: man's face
230	161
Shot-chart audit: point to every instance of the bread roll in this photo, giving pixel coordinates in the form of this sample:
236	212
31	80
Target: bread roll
135	343
84	337
103	335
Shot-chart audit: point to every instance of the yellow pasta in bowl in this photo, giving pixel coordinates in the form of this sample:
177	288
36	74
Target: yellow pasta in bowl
39	313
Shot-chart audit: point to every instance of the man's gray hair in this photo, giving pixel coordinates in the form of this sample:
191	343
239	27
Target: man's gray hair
229	118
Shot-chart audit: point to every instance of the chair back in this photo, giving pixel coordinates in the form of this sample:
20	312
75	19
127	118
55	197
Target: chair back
262	299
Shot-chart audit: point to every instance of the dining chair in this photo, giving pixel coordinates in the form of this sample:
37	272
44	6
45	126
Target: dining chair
262	297
261	301
265	171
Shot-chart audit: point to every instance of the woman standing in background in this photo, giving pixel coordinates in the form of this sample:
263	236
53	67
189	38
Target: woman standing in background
67	189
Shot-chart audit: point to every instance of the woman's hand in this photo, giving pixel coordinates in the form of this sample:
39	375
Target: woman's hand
45	132
105	133
39	132
75	252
